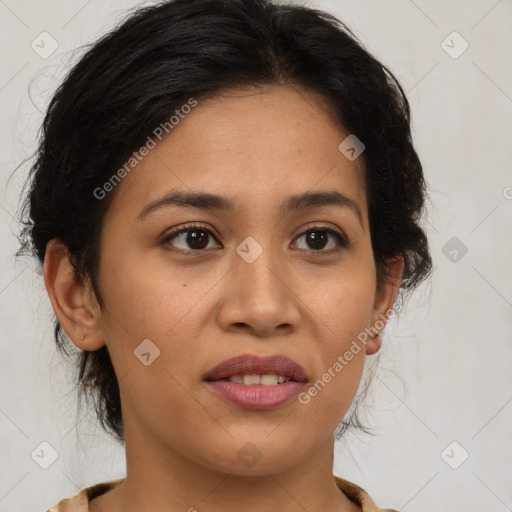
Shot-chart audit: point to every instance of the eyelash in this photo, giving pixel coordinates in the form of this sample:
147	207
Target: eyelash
342	240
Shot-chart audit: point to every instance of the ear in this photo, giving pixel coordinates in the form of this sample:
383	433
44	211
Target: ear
72	298
384	300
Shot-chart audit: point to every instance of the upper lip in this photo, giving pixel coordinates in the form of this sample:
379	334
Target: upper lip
258	365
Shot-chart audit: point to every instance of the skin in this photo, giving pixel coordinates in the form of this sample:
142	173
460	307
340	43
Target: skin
256	147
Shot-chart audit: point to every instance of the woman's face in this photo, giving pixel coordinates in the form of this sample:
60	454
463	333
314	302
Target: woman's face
258	279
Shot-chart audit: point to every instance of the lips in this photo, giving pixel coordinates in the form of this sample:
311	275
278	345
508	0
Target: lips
268	382
256	365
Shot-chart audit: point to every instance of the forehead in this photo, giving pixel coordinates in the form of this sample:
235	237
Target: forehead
252	145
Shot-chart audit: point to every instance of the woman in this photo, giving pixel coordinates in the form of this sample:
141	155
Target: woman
225	202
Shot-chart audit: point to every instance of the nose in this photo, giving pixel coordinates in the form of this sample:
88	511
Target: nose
259	297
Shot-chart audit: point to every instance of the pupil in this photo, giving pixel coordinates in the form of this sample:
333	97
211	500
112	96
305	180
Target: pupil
197	239
317	237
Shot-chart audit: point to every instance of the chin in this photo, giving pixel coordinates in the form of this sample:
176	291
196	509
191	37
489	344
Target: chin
257	457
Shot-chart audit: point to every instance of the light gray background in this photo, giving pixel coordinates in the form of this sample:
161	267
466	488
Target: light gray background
446	369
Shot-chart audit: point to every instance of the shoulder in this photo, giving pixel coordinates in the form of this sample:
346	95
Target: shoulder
359	496
80	502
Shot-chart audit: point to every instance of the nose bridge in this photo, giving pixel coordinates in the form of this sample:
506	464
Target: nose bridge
261	295
260	270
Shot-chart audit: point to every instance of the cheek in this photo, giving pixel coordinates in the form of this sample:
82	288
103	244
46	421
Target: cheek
344	309
152	299
330	394
342	301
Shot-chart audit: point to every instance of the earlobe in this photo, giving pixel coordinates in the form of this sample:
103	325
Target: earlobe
69	298
384	301
373	343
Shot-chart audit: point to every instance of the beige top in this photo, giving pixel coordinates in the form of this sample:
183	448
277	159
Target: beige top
80	502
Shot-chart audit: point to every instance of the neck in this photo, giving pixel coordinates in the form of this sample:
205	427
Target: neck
160	479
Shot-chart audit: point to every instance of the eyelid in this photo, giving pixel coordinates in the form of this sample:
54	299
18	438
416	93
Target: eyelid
342	239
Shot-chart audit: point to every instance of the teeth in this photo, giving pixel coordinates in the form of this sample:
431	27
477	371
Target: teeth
264	380
252	379
269	380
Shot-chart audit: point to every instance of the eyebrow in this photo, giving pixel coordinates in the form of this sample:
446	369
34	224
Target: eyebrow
292	204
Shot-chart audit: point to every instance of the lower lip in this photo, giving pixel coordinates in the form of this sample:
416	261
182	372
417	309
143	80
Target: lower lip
256	396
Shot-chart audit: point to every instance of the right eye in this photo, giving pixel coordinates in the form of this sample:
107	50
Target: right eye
195	236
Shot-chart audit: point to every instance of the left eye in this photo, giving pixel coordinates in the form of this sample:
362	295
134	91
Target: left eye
197	238
318	238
